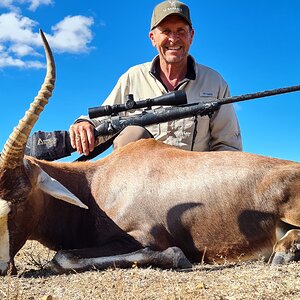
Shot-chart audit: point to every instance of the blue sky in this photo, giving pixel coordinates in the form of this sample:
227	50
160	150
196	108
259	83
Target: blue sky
255	45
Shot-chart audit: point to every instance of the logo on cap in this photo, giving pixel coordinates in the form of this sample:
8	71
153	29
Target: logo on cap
173	7
172	3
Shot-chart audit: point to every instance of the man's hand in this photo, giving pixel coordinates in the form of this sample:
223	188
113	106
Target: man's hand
82	137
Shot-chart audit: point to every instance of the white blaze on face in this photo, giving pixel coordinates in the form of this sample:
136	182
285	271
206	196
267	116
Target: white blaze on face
4	237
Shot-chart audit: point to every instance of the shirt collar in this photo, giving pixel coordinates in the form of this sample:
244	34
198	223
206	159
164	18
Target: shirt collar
190	74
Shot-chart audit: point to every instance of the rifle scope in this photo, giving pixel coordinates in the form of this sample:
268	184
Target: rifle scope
169	99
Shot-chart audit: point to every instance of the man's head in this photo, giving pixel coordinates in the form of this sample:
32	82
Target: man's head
167	8
171	32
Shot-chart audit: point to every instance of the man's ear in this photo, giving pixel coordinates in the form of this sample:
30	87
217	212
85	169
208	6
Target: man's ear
152	38
192	34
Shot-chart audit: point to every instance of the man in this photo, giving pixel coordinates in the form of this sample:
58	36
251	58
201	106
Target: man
171	33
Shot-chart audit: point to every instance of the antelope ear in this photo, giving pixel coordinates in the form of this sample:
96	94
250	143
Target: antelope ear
52	187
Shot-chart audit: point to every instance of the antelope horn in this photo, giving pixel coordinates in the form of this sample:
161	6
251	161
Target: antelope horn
13	151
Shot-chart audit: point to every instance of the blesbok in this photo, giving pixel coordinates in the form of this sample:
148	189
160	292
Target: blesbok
146	203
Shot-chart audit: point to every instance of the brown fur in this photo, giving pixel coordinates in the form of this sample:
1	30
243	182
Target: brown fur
224	204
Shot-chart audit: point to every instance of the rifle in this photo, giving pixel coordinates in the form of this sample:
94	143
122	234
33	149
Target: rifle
55	145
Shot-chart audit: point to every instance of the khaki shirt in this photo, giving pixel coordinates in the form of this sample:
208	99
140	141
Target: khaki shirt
220	132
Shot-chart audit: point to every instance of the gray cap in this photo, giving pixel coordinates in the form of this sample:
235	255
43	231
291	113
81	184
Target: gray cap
167	8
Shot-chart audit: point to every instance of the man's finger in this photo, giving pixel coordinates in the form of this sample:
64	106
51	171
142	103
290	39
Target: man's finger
91	139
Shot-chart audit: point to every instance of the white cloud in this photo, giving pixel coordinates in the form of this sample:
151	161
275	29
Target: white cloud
6	61
17	29
9	61
33	4
21	50
19	38
73	34
7	4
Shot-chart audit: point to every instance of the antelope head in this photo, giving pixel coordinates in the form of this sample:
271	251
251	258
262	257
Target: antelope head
22	181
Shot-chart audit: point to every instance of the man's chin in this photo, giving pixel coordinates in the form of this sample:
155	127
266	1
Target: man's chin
174	59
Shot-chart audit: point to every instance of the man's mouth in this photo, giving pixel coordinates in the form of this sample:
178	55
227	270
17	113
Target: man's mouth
174	48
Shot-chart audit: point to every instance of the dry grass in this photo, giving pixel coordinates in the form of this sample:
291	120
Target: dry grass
252	280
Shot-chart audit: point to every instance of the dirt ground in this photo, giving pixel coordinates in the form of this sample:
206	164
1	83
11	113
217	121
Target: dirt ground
251	280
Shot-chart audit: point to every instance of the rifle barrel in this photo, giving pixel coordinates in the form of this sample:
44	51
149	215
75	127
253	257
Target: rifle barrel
260	94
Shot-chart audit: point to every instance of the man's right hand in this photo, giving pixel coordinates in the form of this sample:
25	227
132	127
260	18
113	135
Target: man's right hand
82	137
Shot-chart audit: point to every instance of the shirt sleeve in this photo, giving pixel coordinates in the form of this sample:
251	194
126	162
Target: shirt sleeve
224	128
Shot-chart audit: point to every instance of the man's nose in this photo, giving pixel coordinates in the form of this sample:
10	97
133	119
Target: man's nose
173	35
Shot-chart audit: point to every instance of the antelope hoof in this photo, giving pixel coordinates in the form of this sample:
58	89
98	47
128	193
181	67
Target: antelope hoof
179	259
283	258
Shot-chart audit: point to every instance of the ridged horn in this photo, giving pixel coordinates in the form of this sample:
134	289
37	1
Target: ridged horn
13	150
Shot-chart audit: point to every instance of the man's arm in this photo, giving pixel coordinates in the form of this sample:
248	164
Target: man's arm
224	127
225	130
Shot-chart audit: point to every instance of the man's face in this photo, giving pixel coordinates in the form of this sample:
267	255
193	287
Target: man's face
172	39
